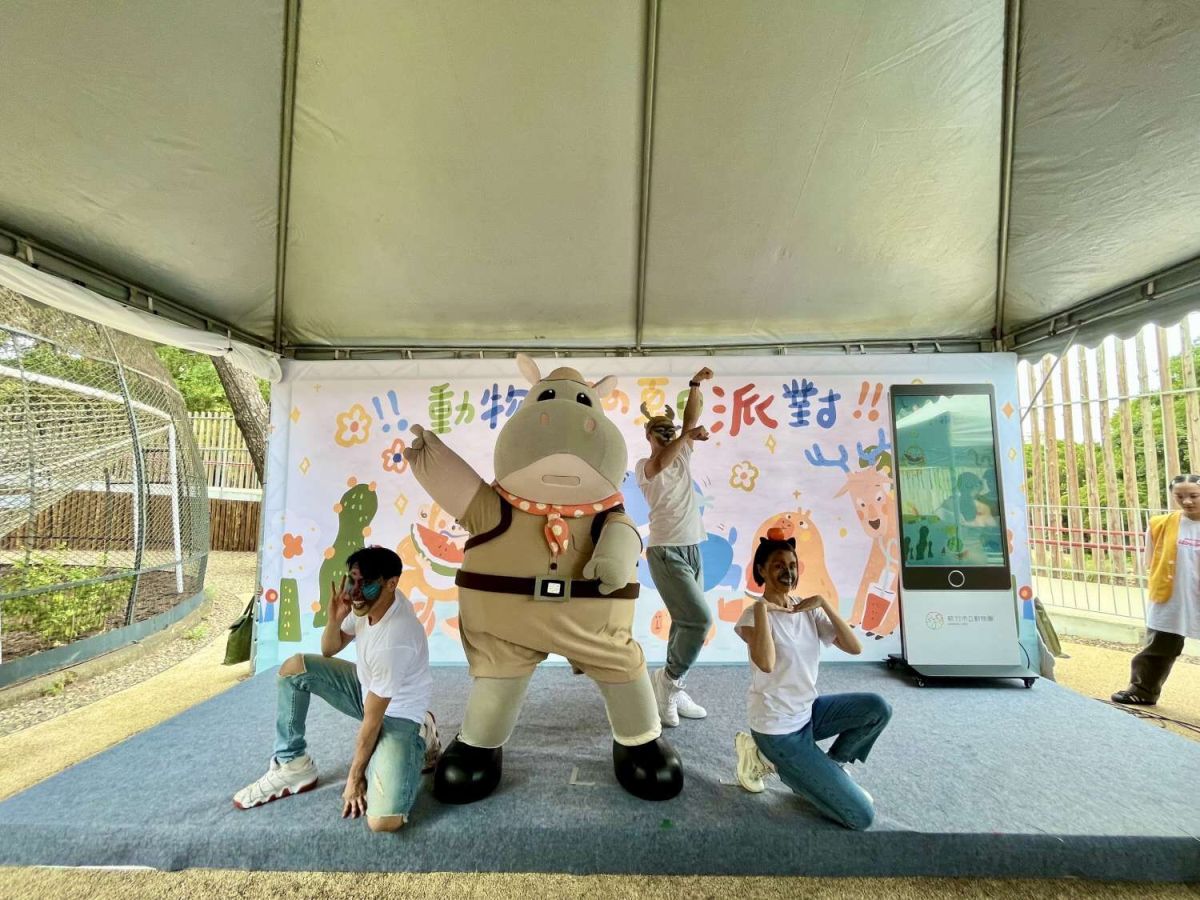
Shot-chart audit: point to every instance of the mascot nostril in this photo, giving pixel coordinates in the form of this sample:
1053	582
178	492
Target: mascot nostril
550	567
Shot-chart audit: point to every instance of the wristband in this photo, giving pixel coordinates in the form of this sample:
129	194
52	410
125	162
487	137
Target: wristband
693	384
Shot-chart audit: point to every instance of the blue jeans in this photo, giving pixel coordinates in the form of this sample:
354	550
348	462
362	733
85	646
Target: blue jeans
394	772
857	720
679	579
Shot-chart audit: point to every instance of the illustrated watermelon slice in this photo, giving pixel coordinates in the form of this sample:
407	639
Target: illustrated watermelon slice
445	557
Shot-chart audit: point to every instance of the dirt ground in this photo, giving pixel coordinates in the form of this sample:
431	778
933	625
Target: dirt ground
1097	668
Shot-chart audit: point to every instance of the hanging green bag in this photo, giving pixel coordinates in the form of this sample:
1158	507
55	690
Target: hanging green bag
241	634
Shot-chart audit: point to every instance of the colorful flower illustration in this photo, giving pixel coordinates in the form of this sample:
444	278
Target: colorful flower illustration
353	426
293	545
393	458
743	476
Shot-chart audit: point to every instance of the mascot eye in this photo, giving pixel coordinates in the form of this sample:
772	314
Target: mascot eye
583	398
547	394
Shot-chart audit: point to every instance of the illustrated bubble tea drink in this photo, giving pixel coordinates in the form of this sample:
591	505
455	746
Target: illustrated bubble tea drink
880	598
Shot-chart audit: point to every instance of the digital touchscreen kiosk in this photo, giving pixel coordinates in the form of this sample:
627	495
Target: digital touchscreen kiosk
952	530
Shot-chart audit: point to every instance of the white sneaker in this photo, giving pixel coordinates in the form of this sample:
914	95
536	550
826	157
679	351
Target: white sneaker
752	766
666	695
850	773
433	745
687	707
281	780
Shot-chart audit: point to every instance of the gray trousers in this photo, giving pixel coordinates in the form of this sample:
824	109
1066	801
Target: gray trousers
679	579
1150	668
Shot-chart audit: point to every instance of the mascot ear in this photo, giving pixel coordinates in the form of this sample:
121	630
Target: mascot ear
791	542
670	413
605	386
528	368
646	411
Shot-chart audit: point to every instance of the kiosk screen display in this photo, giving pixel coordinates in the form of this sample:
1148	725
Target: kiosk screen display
950	506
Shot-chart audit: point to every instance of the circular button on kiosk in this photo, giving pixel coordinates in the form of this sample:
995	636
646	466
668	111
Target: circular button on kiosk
956	578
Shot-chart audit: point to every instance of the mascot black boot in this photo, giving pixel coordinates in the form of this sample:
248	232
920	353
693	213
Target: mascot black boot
465	774
649	771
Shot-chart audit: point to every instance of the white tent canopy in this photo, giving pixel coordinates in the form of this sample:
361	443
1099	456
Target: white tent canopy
642	175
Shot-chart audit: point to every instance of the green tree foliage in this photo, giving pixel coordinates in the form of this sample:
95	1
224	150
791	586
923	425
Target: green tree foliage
197	380
1139	475
1179	405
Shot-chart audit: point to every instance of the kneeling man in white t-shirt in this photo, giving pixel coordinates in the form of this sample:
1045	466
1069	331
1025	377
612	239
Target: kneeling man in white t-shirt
388	690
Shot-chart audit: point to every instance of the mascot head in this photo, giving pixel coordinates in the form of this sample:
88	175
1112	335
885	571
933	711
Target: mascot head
560	447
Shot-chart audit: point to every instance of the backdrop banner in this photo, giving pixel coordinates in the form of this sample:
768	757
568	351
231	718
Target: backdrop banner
797	442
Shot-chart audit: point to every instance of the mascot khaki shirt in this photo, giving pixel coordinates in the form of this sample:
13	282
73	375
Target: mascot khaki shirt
507	635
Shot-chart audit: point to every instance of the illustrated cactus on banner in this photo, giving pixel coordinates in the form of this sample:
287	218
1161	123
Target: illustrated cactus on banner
289	611
355	512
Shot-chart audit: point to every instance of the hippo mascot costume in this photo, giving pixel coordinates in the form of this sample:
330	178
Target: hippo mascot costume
550	567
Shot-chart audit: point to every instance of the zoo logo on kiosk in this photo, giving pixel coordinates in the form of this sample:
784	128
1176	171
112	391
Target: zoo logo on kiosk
934	621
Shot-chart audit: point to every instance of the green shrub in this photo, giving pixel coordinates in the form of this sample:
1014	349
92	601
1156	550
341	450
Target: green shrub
59	616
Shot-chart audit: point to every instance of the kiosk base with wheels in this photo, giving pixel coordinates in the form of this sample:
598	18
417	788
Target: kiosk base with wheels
923	674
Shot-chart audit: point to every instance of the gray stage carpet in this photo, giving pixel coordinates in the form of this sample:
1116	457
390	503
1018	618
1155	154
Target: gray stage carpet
973	780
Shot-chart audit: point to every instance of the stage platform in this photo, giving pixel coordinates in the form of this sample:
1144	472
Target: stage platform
970	780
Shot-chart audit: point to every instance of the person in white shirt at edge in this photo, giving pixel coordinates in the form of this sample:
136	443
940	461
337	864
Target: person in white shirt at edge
673	547
786	715
1172	593
388	691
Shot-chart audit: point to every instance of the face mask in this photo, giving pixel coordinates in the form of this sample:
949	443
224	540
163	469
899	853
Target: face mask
372	591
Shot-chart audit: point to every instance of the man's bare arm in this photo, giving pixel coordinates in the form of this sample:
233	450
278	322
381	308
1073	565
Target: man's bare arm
691	410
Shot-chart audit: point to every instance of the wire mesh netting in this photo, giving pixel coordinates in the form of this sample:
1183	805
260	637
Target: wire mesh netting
103	503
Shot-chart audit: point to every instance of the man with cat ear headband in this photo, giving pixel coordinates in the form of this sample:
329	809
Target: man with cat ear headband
673	547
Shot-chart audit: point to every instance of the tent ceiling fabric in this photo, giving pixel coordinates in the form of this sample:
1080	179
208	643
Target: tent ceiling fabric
471	174
825	170
465	172
143	137
1106	169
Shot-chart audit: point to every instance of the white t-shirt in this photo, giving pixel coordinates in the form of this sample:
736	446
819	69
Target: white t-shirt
674	513
1180	614
393	659
780	701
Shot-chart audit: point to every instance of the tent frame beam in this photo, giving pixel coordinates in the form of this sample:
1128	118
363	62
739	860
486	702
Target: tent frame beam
1012	51
650	76
47	258
762	348
291	38
1166	285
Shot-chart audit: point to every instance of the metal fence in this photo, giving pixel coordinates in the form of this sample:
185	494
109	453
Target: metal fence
227	463
103	507
1105	430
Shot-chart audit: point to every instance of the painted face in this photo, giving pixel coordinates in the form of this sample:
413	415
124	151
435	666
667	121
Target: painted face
781	571
363	594
663	433
1187	497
